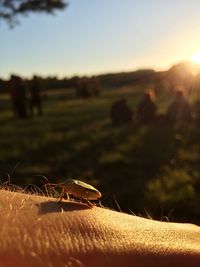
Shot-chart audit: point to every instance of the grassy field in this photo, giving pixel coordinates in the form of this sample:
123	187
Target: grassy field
152	169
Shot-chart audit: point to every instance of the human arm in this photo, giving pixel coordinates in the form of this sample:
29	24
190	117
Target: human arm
38	231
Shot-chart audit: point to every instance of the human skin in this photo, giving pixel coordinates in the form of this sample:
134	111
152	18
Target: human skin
38	231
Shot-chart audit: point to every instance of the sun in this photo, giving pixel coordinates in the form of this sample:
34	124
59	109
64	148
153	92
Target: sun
195	58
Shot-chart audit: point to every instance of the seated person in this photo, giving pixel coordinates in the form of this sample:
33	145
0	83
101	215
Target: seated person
120	113
179	109
146	110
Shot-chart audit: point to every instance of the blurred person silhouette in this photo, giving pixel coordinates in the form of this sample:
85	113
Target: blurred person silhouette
18	96
35	96
83	89
88	87
96	89
146	110
120	113
179	109
13	94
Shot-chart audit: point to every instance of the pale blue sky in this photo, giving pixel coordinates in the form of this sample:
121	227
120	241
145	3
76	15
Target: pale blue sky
99	36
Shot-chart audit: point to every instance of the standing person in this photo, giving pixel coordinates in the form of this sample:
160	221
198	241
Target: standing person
13	94
35	96
95	86
18	96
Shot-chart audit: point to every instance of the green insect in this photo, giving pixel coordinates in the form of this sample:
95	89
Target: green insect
78	189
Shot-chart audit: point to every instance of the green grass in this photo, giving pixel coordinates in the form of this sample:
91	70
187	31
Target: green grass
53	145
75	138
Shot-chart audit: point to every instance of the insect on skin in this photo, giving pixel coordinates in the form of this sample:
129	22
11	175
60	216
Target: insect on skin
79	190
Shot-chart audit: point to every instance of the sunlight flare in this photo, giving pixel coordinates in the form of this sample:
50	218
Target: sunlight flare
195	58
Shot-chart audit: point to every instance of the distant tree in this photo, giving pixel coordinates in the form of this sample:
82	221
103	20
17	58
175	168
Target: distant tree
11	9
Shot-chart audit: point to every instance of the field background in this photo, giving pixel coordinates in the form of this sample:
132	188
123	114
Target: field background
150	170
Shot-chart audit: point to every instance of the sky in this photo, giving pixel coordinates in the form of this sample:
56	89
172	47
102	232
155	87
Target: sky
101	36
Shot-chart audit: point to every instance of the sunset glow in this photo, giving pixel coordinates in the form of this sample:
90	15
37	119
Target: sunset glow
137	41
196	57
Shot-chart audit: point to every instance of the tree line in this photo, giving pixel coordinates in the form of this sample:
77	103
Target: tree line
179	74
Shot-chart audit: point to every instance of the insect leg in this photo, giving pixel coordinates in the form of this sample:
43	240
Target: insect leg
90	204
100	204
61	195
